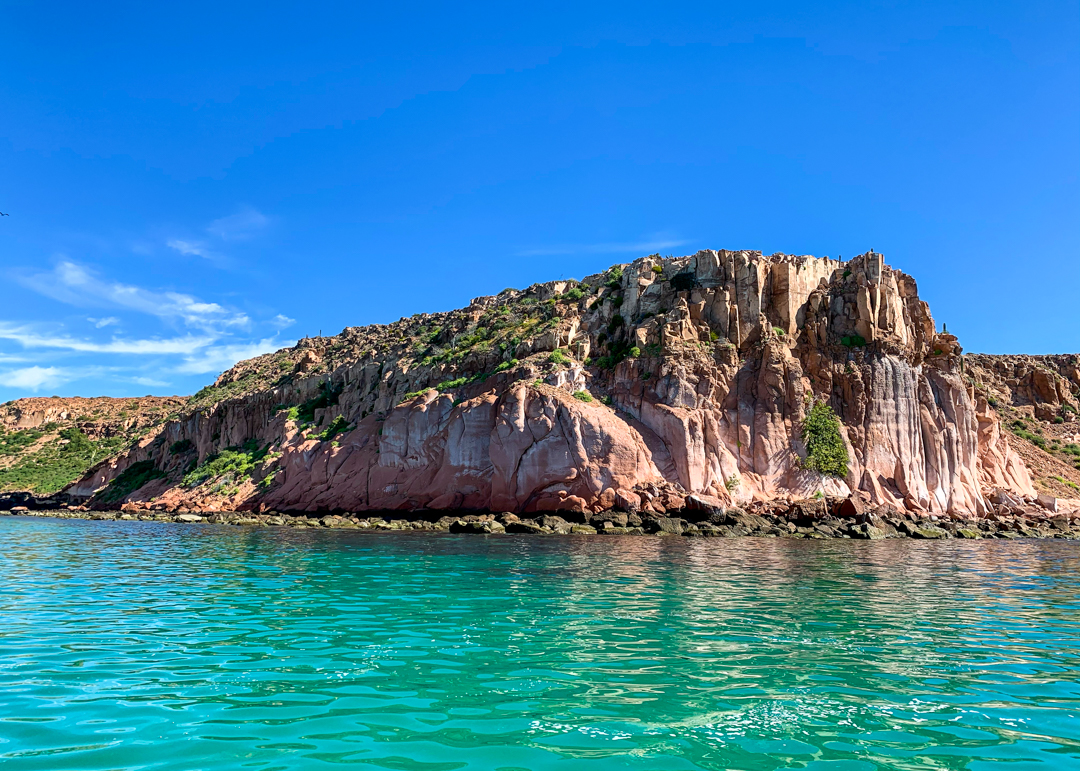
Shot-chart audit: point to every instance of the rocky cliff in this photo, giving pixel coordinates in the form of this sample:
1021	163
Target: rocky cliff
632	389
1038	401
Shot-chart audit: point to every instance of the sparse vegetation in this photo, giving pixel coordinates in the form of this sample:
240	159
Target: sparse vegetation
447	385
1018	428
180	447
583	396
1067	482
14	442
130	479
338	426
57	463
305	413
853	341
731	483
413	395
232	466
683	282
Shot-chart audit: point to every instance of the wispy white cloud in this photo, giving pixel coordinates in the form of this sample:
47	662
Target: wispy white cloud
28	338
641	247
34	378
243	225
192	248
211	337
219	358
73	284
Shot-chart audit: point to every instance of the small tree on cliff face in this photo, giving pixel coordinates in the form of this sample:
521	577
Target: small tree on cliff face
826	452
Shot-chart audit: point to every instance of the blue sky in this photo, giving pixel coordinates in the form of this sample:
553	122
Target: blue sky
191	186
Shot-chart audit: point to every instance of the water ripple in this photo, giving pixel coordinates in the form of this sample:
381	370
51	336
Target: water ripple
131	645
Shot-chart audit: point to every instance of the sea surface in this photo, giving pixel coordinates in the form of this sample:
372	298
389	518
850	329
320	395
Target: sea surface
138	645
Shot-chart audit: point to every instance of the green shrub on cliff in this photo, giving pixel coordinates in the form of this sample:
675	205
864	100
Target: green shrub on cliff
229	467
180	447
131	479
326	397
15	442
446	385
338	426
826	452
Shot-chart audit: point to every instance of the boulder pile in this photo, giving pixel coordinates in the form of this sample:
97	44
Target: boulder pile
808	519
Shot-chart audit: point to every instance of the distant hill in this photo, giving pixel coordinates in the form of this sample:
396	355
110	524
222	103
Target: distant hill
46	443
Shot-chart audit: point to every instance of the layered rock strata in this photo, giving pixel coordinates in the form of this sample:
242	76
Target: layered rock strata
630	390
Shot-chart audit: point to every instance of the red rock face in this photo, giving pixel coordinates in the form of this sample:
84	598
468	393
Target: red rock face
707	363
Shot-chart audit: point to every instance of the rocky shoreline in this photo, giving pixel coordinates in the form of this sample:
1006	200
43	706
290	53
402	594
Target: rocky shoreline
813	519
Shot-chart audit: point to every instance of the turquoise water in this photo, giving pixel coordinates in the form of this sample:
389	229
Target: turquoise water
131	645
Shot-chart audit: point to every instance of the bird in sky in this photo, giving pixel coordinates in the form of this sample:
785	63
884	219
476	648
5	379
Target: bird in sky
2	214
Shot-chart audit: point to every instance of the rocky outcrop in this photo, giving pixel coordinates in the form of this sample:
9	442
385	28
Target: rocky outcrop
1048	384
1037	400
96	417
632	389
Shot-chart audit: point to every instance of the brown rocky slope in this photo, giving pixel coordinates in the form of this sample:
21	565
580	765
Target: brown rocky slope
1038	400
631	389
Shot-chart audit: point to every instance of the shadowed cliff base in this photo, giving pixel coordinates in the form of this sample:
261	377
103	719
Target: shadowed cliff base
811	519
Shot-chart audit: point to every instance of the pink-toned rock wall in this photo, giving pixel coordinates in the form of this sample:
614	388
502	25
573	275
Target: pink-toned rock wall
713	405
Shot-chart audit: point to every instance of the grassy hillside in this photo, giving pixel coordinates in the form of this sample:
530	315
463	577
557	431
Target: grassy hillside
48	443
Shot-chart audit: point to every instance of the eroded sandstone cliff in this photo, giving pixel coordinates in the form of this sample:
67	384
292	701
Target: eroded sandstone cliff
631	389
